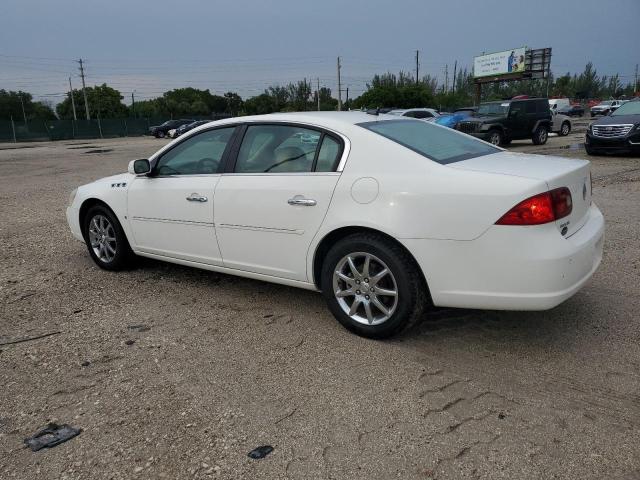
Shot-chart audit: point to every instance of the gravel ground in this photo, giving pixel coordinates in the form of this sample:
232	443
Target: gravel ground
176	373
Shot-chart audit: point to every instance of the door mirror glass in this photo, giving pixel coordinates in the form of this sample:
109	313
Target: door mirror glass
139	167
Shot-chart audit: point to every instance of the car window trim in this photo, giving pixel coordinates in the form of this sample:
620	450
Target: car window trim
226	152
233	154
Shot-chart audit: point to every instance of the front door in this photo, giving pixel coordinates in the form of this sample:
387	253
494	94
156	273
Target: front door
171	211
273	201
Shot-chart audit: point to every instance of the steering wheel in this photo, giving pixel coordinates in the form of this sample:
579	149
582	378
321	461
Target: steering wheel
208	165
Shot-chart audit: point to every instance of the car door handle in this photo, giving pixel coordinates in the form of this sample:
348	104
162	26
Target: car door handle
300	200
196	197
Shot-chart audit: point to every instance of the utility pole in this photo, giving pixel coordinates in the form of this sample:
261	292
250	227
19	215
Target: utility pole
84	91
133	104
24	115
635	83
318	90
446	78
339	88
347	101
455	71
417	66
73	102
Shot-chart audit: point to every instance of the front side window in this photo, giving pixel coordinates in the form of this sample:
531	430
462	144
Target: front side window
439	144
198	155
285	149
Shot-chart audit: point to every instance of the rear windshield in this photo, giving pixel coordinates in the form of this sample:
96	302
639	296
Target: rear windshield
437	143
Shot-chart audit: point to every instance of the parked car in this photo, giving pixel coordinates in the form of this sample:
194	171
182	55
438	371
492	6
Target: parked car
422	113
182	129
501	122
572	110
161	131
451	120
606	107
561	124
406	215
556	103
619	132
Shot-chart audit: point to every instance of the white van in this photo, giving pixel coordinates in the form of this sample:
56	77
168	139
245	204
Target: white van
557	103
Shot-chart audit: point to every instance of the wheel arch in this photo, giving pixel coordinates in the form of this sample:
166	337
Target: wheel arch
338	234
86	206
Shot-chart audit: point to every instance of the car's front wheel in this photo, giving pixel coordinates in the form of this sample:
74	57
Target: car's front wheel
106	241
160	134
540	135
565	129
495	137
372	285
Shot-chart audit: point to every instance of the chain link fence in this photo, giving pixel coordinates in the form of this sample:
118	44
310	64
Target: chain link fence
42	130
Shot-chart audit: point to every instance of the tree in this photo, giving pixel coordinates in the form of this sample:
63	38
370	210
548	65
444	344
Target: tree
234	103
11	107
260	104
104	102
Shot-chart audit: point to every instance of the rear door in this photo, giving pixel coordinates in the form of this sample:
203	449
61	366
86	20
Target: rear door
273	199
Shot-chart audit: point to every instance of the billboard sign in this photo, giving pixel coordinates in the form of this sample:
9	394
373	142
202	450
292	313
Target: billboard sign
500	63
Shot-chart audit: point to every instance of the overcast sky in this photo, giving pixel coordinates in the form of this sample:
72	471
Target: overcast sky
244	46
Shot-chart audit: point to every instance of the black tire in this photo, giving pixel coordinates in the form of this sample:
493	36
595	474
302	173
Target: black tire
123	256
540	135
412	294
506	141
565	129
495	137
589	150
160	134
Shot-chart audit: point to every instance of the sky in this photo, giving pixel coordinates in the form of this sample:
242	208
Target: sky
149	47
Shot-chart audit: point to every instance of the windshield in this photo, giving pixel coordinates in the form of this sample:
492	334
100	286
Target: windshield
496	108
628	108
439	144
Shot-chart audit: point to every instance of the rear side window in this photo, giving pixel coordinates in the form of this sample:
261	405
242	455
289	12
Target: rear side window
328	155
439	144
286	149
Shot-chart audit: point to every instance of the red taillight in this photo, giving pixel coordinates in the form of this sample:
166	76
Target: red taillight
542	208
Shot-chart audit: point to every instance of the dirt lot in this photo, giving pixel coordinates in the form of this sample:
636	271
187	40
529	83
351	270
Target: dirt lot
177	373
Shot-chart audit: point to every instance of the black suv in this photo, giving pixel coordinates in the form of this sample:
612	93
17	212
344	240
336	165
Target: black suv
618	132
160	131
501	122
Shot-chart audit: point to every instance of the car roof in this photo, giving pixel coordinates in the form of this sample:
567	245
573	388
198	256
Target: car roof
320	119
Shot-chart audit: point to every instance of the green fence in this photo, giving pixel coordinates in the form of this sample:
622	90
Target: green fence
34	130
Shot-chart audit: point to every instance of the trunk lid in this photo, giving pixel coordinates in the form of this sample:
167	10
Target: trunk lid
555	171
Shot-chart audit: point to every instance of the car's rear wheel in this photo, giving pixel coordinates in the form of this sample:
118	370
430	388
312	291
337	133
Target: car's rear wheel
160	134
589	150
106	241
372	285
540	135
495	137
565	129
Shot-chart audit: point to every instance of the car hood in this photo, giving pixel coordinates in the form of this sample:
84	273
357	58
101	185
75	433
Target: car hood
124	177
617	119
600	107
484	118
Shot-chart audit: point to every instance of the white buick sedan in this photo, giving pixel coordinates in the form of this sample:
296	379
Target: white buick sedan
385	216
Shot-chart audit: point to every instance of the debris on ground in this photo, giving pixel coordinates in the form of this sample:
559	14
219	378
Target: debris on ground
28	339
260	452
129	342
50	436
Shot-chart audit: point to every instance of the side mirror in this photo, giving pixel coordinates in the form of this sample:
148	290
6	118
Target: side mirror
139	167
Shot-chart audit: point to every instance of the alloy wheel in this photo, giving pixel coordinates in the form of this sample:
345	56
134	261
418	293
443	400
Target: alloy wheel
494	139
365	288
102	238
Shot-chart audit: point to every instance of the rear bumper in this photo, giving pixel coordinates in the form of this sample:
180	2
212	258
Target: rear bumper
511	268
